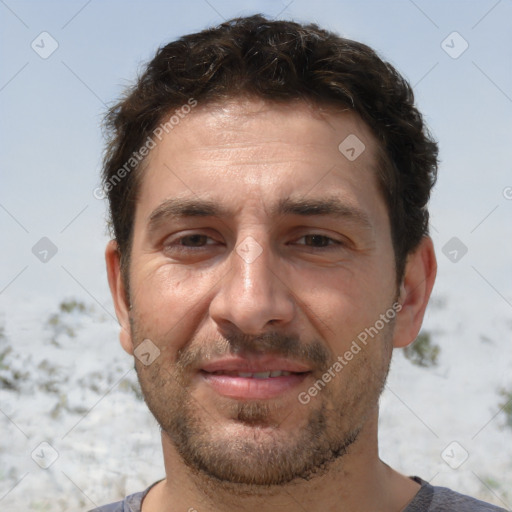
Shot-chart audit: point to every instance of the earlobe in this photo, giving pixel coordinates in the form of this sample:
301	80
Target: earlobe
125	339
119	295
415	290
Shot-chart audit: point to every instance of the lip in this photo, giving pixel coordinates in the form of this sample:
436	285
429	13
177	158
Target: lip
260	364
248	388
251	388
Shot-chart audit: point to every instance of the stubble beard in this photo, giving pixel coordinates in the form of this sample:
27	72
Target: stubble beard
250	450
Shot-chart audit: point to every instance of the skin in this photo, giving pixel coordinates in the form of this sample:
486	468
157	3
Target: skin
317	281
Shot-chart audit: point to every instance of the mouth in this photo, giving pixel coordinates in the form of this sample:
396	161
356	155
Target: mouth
253	375
245	379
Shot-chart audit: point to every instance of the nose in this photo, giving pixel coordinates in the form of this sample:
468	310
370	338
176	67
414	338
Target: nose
252	295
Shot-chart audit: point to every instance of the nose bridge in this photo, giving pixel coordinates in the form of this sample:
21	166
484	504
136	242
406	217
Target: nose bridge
251	269
251	295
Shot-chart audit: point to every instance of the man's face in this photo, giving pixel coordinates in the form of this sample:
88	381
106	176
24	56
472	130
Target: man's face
259	247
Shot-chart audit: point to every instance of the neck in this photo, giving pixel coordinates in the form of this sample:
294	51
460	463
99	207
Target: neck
358	480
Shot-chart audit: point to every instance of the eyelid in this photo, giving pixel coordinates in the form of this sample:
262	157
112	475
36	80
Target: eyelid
332	243
176	237
334	237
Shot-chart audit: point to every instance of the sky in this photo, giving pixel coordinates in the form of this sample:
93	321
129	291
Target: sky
64	63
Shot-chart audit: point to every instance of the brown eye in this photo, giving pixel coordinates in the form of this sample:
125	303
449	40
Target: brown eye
194	240
317	240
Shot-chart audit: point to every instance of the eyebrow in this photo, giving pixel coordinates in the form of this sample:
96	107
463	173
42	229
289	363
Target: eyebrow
179	208
329	206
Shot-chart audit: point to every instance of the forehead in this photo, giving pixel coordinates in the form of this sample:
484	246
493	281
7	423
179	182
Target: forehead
248	148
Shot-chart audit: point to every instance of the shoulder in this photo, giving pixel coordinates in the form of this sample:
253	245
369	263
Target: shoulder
446	499
441	499
131	503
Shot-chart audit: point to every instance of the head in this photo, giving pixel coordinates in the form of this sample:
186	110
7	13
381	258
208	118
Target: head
276	217
280	62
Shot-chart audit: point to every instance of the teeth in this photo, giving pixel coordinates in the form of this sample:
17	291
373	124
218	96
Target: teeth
280	373
256	375
261	375
264	375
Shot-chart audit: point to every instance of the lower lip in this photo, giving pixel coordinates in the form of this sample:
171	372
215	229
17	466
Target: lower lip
249	388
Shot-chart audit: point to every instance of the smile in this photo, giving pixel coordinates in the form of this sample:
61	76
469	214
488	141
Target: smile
258	384
254	375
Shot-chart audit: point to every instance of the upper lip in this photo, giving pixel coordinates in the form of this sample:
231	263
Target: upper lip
265	364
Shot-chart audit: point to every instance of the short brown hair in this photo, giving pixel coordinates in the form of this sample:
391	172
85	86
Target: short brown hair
278	61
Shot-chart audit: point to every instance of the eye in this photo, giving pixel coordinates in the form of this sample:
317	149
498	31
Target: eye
195	240
192	246
318	241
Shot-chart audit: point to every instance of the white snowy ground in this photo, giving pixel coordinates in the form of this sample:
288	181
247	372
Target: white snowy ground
80	397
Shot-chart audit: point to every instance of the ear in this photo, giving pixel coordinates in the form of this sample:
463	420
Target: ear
415	290
119	295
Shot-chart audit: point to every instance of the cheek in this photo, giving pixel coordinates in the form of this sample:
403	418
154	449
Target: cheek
169	303
341	305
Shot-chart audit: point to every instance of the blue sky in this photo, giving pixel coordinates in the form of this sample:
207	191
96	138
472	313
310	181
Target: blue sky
51	142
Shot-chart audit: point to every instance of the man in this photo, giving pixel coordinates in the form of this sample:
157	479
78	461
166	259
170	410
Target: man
268	186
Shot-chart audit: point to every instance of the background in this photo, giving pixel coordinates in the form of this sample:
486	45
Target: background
75	432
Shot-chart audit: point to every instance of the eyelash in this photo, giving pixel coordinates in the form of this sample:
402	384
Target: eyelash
331	242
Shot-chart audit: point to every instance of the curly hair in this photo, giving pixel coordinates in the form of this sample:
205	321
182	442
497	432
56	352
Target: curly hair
278	61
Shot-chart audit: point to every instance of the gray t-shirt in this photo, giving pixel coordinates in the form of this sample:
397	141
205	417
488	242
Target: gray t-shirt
427	499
